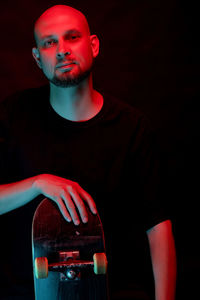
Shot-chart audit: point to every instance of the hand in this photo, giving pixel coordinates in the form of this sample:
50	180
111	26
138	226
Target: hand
68	195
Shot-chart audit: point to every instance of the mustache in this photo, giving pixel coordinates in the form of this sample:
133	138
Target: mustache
66	62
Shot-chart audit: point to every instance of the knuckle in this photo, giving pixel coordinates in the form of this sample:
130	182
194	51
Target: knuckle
88	197
81	205
70	188
70	206
55	198
77	184
63	191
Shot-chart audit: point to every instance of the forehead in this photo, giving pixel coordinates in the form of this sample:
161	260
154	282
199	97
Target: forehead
58	21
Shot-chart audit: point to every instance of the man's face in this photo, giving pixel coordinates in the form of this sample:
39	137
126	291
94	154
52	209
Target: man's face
65	47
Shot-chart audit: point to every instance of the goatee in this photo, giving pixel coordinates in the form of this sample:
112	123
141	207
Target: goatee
70	81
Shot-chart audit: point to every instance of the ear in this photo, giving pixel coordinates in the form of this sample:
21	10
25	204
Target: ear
36	56
94	45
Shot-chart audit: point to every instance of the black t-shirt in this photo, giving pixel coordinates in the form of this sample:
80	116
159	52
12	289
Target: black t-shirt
113	156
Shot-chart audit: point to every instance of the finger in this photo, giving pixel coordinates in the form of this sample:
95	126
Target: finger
88	199
63	209
71	208
79	204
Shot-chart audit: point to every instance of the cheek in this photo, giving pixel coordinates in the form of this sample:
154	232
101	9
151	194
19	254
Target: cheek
85	55
47	62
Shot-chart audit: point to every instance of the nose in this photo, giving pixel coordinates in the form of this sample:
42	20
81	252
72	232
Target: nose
61	55
63	50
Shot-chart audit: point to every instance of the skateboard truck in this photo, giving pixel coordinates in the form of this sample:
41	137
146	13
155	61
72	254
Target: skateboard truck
66	255
70	265
70	273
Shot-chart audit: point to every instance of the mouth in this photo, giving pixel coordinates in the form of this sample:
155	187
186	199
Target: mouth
65	65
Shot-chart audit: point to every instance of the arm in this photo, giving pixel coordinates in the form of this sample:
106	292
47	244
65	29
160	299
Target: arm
163	255
68	195
14	195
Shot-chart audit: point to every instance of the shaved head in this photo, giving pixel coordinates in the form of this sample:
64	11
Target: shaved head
64	50
59	12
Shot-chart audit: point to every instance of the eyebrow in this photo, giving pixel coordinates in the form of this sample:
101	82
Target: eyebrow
68	32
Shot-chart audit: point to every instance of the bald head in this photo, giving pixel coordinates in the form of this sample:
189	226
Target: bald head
59	13
65	49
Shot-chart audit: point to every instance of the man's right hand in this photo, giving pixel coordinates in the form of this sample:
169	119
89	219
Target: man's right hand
68	195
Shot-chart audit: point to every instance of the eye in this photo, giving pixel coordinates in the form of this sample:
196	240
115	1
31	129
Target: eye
73	37
49	43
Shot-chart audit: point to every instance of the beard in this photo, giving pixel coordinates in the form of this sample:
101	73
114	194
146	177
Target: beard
70	80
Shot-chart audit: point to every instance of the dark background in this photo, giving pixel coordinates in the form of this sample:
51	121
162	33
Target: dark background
149	58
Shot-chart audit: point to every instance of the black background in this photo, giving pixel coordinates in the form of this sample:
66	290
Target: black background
149	57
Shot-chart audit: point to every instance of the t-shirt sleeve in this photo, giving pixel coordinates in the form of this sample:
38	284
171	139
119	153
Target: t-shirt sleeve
148	164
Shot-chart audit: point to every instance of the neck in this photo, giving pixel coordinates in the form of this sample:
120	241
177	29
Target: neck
79	103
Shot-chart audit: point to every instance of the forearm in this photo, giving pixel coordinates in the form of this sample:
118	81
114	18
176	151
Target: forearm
163	257
67	194
14	195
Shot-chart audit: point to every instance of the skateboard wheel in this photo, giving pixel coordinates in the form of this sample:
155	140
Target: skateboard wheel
100	263
41	267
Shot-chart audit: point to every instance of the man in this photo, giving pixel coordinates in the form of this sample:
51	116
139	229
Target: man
68	142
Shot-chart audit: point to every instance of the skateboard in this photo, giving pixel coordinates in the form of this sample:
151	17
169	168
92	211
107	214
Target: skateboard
69	261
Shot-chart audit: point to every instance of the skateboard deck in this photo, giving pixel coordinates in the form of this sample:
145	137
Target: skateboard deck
69	261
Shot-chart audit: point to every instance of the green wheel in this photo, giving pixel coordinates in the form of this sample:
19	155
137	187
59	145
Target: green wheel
41	267
100	263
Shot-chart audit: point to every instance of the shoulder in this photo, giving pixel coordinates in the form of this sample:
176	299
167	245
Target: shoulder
121	105
22	101
127	114
23	97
